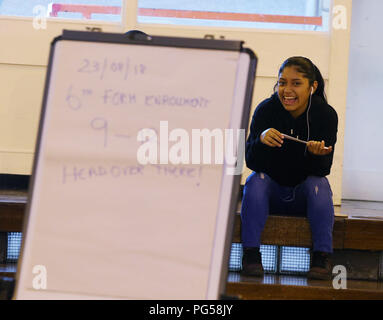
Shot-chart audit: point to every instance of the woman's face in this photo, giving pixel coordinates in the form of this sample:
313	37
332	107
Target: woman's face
294	91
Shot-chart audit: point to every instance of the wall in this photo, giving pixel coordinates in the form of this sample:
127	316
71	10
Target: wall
23	65
363	153
23	60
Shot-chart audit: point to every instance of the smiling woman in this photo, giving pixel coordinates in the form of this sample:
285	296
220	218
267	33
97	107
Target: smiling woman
290	177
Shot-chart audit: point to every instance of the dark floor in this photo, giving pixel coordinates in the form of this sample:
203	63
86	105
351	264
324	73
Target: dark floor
361	209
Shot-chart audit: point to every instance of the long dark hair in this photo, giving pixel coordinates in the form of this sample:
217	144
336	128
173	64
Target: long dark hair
309	71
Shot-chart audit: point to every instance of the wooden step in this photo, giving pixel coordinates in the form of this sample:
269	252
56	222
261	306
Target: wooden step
291	231
8	270
285	287
12	210
276	287
348	233
358	225
7	286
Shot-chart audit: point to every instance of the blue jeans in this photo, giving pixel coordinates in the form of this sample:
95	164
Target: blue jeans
311	198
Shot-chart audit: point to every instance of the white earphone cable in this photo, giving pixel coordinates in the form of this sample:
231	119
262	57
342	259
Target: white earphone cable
307	119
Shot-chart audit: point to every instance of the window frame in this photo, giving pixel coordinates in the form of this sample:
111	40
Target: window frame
13	52
259	39
24	35
237	27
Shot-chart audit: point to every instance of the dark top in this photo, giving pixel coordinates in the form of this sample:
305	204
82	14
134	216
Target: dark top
291	164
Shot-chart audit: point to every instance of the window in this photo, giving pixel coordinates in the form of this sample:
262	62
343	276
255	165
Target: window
105	10
294	260
266	14
275	259
14	244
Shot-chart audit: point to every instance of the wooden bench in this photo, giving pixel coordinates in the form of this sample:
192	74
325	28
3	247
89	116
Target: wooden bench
356	234
348	233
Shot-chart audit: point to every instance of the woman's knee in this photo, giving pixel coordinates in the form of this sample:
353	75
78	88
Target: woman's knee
257	182
317	186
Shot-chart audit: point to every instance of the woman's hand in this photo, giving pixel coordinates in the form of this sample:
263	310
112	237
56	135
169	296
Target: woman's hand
272	138
318	148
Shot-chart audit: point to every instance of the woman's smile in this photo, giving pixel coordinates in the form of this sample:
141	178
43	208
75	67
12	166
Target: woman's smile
289	101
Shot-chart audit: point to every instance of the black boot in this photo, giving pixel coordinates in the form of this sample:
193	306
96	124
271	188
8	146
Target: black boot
252	262
320	266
